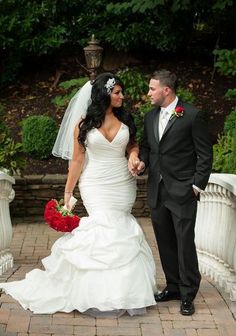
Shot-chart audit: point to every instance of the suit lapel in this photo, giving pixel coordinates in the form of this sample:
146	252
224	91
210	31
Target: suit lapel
156	124
169	124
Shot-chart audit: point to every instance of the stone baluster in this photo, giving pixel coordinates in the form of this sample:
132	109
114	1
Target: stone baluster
216	231
7	194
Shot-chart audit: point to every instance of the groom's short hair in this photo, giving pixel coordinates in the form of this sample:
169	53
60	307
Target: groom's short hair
166	78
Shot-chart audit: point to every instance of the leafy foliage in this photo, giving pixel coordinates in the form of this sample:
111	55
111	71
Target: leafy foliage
226	61
232	157
225	148
11	160
139	114
136	84
185	95
225	154
230	123
230	94
29	28
73	86
36	28
78	82
38	136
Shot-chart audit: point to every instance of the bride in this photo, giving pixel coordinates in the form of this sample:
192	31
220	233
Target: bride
105	265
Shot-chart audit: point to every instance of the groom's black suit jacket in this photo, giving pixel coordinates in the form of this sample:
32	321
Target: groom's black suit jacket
182	157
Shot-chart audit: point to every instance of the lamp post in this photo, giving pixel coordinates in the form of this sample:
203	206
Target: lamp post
93	56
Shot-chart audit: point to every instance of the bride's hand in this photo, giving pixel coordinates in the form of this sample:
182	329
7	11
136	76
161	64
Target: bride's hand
67	197
133	164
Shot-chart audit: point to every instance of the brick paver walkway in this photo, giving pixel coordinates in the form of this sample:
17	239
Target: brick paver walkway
215	314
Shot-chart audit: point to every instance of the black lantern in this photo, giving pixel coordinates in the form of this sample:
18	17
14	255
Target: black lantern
93	56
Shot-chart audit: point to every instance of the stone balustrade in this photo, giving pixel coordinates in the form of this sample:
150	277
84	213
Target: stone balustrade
216	231
6	196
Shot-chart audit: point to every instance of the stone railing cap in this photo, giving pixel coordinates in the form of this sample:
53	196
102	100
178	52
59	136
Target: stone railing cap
228	181
4	176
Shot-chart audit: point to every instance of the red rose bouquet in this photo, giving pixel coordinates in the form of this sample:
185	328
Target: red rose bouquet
59	218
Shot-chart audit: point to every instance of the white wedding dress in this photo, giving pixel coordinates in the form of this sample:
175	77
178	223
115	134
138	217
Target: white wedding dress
104	265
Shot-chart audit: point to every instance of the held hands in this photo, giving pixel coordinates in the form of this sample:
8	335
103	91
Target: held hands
135	166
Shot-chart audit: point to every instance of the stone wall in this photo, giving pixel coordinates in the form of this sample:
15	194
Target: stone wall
33	192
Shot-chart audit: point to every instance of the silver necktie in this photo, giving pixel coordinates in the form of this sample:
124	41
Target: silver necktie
163	120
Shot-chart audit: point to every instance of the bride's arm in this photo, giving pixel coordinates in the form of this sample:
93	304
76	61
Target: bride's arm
133	159
75	168
133	151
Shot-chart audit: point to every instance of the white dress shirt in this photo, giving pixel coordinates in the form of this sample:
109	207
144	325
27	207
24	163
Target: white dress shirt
165	115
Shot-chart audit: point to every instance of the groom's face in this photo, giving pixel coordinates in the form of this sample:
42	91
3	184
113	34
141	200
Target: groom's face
157	92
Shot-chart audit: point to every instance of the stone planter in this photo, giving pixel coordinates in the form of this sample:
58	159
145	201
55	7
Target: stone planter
7	194
216	231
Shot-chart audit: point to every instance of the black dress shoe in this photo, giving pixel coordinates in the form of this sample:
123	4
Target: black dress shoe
187	307
166	295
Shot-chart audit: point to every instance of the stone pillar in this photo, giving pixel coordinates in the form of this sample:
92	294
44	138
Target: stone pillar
7	194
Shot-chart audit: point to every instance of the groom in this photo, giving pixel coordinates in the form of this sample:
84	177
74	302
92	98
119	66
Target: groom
177	150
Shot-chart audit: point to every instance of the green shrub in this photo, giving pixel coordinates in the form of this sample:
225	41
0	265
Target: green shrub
224	160
230	94
225	61
231	164
72	86
225	149
222	151
226	64
185	95
230	122
136	84
38	136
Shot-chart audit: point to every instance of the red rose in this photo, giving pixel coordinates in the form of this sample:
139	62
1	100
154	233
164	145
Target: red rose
178	111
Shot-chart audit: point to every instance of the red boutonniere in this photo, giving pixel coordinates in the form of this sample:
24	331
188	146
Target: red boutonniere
58	218
178	111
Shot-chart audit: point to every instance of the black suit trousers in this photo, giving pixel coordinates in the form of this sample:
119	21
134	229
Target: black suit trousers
174	231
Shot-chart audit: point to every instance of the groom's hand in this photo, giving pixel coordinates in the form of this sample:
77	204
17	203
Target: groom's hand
140	167
196	192
135	166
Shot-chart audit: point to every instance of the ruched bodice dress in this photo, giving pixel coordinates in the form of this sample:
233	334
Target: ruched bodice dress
105	264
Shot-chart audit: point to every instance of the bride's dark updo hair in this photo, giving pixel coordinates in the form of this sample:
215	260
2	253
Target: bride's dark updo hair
96	112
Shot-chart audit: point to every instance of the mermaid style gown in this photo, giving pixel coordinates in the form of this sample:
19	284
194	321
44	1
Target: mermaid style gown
105	264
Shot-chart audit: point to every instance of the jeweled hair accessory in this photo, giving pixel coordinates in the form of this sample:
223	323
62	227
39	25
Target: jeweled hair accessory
110	84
